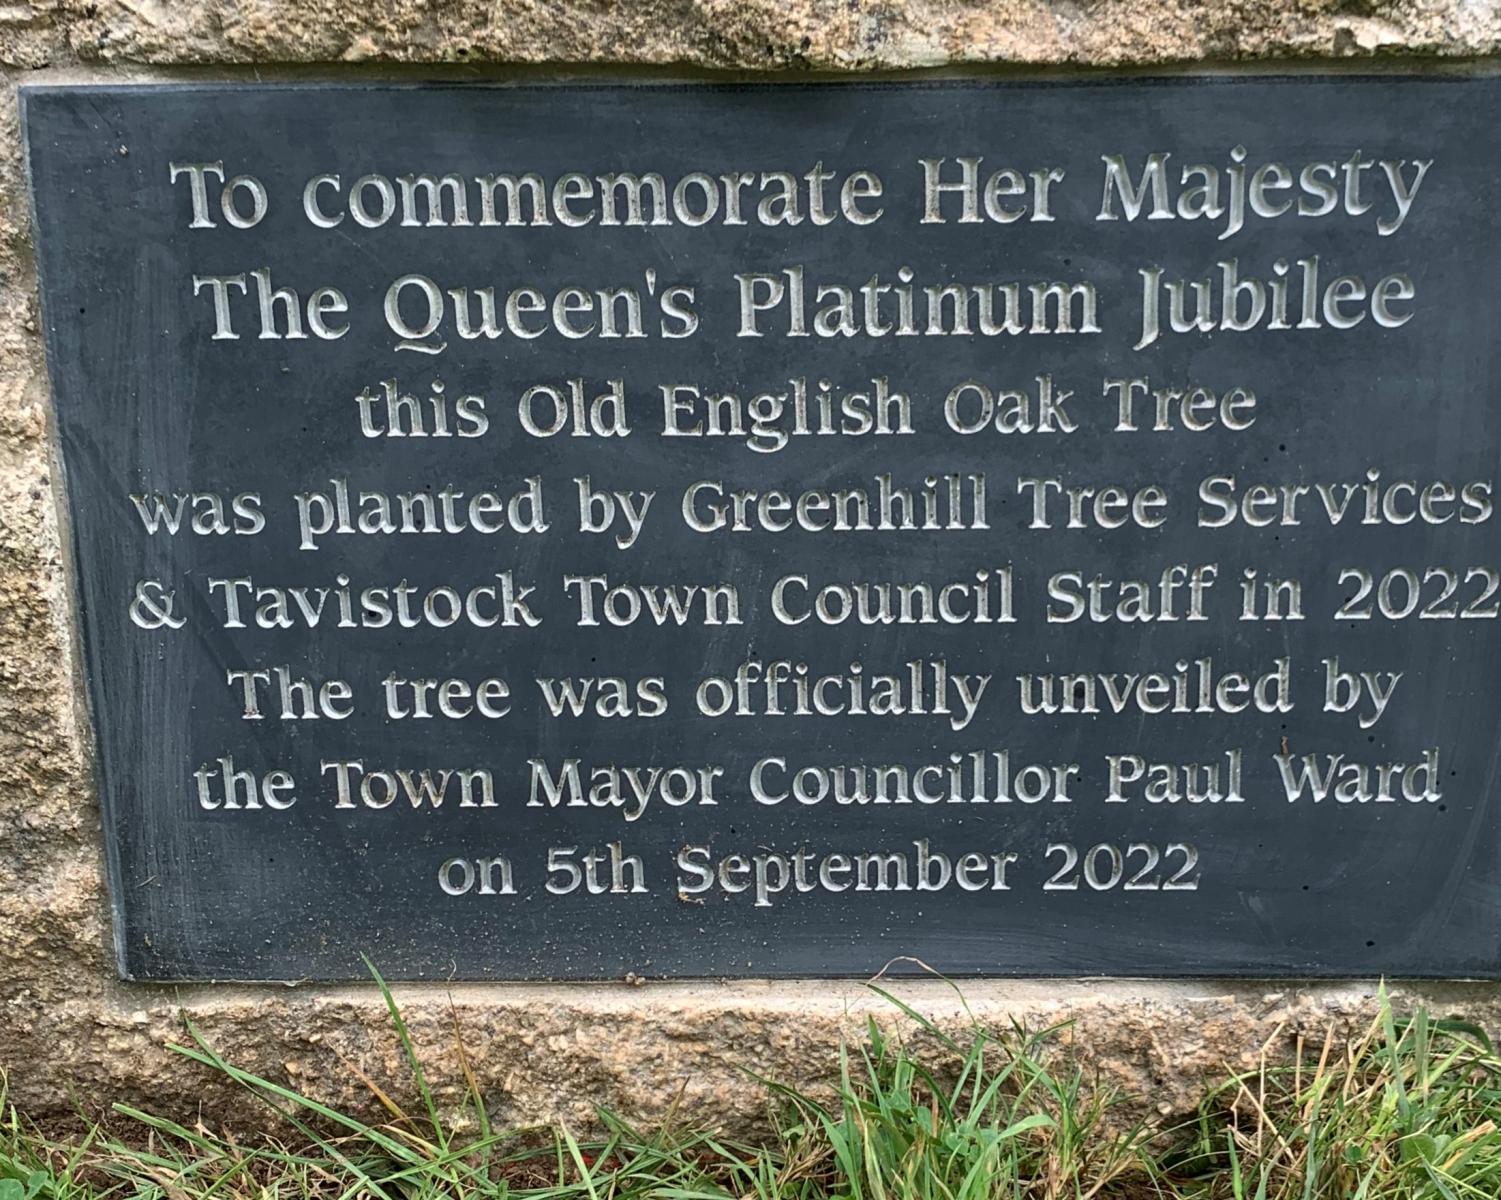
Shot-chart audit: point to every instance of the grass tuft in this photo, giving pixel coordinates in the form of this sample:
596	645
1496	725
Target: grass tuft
1411	1110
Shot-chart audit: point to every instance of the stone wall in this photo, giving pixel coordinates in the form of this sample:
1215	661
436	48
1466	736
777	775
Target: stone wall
69	1031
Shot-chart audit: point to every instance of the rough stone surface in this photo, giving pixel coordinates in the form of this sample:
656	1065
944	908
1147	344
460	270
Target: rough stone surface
752	34
70	1034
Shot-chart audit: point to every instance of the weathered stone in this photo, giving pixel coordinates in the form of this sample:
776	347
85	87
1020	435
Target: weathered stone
69	1032
750	34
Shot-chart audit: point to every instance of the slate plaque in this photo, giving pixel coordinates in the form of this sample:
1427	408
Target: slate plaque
580	531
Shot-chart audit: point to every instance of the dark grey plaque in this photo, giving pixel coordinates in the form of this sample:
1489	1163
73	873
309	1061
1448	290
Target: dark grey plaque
1218	608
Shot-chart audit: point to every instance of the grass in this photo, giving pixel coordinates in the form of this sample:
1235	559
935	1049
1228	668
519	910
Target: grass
1409	1110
